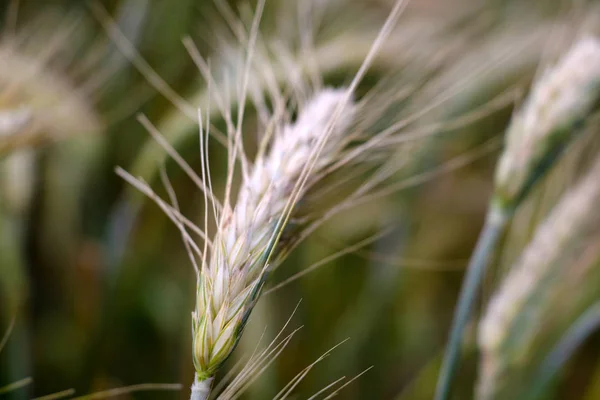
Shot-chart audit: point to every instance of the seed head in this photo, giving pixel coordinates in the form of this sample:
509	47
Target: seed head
40	101
559	101
248	235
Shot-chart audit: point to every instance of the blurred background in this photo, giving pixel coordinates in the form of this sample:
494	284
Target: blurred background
94	278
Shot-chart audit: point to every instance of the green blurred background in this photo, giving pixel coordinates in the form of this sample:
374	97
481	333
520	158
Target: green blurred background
98	278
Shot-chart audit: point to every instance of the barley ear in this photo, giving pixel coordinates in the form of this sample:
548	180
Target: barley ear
40	102
247	243
558	105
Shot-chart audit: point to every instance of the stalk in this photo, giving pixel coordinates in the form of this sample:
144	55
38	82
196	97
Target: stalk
551	284
493	229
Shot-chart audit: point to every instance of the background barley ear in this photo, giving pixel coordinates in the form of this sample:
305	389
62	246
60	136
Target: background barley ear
51	84
559	102
40	100
550	285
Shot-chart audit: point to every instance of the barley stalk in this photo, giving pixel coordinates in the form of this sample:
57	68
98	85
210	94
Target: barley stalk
558	104
565	247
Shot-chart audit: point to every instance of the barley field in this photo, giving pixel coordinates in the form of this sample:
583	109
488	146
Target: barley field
300	199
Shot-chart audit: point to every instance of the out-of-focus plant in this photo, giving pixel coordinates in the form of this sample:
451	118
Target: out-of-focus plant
552	282
560	102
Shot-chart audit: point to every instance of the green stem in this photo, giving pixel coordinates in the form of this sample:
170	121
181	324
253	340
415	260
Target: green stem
493	229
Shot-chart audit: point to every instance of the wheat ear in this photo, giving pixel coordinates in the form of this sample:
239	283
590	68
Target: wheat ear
558	105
